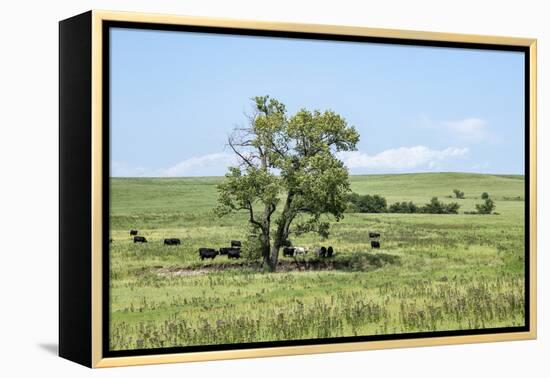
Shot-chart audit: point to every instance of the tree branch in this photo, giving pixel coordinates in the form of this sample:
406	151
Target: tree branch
244	159
272	210
251	219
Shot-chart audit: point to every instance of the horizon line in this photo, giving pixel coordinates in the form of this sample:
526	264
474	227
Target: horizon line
351	175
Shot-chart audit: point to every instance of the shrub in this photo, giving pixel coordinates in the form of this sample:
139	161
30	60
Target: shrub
458	194
352	208
353	198
403	207
367	203
484	195
437	207
452	208
487	207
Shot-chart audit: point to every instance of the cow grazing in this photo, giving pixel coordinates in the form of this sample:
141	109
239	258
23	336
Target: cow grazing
375	244
374	235
207	253
300	250
330	251
288	251
234	253
140	239
224	250
321	252
172	241
235	244
133	232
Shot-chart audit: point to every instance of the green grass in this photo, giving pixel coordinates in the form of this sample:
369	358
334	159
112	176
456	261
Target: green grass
433	272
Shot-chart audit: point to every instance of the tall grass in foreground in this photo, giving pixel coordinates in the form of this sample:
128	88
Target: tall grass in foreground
418	306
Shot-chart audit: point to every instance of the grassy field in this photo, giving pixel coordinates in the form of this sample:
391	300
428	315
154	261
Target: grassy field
432	272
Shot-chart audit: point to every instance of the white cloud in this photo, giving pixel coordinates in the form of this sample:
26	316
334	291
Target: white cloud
472	130
402	158
396	159
207	165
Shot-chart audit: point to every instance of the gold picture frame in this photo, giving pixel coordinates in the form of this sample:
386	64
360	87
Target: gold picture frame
90	268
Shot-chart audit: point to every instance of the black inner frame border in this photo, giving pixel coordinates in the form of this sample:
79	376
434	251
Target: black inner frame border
107	25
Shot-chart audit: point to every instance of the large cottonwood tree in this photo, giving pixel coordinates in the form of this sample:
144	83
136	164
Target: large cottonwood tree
289	179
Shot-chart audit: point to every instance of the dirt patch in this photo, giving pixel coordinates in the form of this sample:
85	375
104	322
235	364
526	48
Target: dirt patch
363	262
181	271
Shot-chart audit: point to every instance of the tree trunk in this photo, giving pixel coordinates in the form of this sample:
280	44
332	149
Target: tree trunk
282	231
266	222
266	253
274	256
266	249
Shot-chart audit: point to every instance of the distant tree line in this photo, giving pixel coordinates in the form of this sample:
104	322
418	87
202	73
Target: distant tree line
377	204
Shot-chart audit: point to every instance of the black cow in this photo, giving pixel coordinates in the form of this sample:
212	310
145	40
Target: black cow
374	235
288	251
224	250
235	244
233	253
133	232
375	244
321	252
330	251
207	253
172	241
140	239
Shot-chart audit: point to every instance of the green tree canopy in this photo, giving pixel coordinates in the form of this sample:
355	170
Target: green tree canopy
289	179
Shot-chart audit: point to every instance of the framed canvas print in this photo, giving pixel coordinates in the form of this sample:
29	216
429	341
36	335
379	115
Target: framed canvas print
234	189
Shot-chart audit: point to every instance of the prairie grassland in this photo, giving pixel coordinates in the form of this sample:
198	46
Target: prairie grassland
432	273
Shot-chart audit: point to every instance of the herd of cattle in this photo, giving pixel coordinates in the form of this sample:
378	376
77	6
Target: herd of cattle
320	252
234	251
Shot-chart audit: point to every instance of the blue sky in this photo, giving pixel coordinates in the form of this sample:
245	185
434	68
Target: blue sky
175	97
